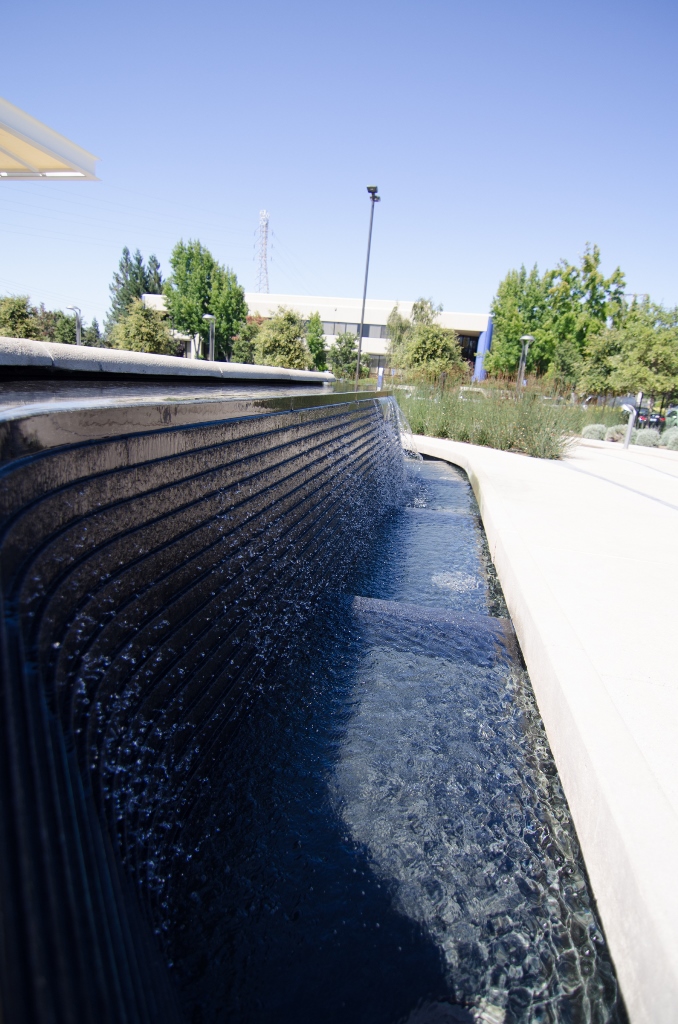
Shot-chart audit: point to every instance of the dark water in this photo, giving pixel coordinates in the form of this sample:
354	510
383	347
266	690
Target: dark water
388	841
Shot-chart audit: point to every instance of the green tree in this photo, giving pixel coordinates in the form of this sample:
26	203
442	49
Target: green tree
519	308
132	280
280	342
64	329
18	319
399	330
199	285
92	335
343	357
425	312
647	351
315	339
244	343
581	302
153	276
143	329
561	310
433	348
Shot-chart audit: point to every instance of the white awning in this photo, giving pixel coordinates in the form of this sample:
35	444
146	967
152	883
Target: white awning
29	150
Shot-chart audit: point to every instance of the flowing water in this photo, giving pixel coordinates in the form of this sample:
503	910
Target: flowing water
388	840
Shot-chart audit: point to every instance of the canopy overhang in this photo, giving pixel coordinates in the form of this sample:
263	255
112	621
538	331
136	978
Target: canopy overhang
30	151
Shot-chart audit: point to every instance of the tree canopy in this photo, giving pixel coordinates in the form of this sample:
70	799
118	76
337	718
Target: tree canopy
280	341
433	348
18	319
343	357
562	310
199	285
142	329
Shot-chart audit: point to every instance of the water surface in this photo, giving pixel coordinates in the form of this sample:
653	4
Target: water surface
388	840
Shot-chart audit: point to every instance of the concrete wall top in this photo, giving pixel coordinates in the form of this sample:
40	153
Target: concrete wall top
45	356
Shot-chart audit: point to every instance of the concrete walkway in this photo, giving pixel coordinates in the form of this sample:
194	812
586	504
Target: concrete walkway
586	549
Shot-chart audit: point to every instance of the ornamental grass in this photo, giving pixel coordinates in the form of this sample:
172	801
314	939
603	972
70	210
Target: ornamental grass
532	424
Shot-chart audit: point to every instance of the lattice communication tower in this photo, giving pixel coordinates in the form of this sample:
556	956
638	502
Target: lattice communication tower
262	275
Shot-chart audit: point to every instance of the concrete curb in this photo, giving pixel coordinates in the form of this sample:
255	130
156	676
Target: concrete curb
46	355
625	817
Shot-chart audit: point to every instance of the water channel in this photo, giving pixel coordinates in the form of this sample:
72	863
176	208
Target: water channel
388	842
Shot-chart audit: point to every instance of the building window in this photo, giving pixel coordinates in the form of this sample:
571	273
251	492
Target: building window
328	327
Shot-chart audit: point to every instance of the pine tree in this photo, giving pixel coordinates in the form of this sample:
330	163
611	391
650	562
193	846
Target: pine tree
153	276
132	280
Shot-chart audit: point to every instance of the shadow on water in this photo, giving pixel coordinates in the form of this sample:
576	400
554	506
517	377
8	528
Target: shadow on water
388	840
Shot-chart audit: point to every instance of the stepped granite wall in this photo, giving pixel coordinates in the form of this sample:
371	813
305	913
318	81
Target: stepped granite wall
155	553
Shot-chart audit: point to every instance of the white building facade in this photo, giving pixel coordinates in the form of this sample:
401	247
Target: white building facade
340	315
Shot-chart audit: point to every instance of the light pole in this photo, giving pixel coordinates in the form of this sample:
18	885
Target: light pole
374	198
526	341
631	410
78	323
210	318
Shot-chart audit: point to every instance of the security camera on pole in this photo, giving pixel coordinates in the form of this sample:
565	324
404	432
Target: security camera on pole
374	198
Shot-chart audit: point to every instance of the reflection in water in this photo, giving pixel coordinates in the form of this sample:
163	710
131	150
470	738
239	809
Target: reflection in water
389	841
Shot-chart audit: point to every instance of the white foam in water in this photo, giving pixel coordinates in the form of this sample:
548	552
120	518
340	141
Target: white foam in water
459	582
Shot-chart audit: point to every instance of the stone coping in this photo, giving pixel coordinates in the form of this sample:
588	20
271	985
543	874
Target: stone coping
49	357
36	416
585	548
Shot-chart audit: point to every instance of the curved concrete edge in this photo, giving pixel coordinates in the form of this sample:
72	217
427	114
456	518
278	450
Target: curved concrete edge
79	359
627	828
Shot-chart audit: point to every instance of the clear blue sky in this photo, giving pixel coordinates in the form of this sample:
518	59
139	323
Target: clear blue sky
498	133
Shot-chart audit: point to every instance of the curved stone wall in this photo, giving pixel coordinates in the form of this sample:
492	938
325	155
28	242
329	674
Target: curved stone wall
149	576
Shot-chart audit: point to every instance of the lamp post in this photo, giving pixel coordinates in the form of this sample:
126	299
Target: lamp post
632	411
525	341
78	323
210	318
374	198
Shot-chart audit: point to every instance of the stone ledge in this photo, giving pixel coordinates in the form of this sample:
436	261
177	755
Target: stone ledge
71	359
585	552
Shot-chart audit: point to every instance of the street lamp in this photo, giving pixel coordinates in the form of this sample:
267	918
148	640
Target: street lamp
526	341
208	316
78	323
633	411
374	198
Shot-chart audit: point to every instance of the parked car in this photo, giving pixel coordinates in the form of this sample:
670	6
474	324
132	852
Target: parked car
643	417
672	416
657	421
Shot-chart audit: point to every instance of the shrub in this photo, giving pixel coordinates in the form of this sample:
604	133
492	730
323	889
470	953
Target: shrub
142	329
343	357
667	436
594	432
647	438
280	342
617	433
672	443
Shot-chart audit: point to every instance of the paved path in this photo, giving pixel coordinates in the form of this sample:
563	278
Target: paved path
587	552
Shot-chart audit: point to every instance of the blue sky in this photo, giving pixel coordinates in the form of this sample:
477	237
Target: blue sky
498	133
